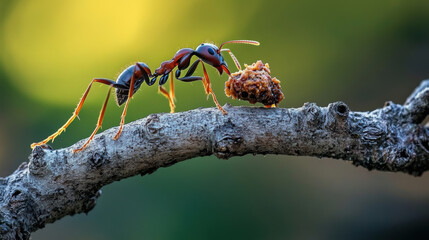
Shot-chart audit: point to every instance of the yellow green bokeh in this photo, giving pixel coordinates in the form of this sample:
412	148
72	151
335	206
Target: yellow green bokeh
361	52
55	47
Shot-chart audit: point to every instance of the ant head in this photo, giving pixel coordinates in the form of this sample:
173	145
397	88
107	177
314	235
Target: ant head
210	54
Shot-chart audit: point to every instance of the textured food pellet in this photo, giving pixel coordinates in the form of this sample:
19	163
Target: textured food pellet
254	84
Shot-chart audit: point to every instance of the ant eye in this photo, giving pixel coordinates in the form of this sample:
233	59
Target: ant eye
211	51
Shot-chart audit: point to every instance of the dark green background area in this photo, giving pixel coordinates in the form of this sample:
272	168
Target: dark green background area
361	52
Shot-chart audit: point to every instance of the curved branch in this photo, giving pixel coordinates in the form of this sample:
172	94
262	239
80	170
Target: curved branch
56	183
418	103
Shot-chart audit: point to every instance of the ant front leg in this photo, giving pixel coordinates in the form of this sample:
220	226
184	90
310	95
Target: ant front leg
205	79
76	111
208	87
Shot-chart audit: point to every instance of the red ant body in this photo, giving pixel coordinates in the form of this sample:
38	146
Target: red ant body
130	80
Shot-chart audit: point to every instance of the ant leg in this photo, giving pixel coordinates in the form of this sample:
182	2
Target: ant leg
170	100
99	122
237	64
130	95
168	95
208	88
171	91
206	81
76	111
192	70
189	78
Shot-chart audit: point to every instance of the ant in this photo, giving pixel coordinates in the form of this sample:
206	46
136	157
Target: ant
131	79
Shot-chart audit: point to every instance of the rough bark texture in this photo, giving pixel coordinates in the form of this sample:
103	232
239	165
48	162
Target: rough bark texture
57	183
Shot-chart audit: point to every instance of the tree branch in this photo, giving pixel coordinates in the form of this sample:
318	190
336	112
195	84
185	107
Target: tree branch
57	183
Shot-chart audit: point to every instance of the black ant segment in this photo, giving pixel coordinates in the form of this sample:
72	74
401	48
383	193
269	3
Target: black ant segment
131	79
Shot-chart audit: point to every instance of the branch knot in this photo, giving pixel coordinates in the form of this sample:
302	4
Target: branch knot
336	118
37	165
315	115
227	140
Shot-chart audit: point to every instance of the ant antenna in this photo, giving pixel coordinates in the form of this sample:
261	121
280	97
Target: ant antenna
251	42
237	64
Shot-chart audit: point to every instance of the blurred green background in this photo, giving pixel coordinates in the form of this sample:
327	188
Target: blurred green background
361	52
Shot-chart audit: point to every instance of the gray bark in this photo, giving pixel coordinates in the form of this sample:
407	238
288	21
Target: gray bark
57	183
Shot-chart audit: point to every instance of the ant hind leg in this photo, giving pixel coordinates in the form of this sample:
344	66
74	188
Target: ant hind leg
99	122
76	111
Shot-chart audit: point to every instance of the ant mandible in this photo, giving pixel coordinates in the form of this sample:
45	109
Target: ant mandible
130	80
